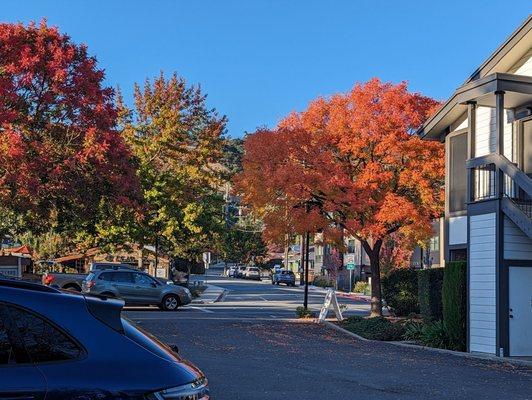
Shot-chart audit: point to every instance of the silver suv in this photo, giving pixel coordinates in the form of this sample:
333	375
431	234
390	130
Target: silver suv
136	288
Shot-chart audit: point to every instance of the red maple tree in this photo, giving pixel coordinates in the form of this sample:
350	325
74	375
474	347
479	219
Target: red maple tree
349	162
60	155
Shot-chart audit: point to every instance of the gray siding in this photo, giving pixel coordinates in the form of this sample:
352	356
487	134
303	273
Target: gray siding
517	246
482	281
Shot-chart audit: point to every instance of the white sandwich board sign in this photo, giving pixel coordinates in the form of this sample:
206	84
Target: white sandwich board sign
330	301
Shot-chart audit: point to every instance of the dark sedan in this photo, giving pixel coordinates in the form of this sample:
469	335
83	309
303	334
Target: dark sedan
59	345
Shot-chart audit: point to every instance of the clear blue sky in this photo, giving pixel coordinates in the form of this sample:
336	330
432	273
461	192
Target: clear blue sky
259	59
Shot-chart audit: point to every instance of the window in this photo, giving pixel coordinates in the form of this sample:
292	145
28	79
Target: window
106	276
457	172
458	255
141	279
42	340
435	243
7	355
123	277
351	246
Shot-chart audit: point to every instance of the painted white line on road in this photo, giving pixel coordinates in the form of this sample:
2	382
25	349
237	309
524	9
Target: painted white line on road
201	309
262	298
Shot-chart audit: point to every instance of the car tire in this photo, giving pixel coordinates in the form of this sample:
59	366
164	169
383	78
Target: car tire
170	302
75	288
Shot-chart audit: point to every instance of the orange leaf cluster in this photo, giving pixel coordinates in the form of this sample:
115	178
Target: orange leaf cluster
349	161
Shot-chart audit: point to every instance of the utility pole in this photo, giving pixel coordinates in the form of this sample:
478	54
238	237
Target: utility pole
307	251
301	261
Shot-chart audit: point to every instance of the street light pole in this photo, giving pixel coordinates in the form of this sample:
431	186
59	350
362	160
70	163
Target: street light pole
307	251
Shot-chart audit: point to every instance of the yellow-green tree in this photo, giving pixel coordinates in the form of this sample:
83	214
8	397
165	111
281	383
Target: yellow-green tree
178	142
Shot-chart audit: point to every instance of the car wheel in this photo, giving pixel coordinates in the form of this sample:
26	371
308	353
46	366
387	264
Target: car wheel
170	302
75	288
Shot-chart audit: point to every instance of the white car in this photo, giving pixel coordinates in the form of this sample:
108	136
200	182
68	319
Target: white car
252	273
232	271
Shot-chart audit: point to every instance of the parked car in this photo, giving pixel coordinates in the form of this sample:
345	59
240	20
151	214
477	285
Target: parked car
231	272
73	281
252	273
240	271
136	288
61	345
286	277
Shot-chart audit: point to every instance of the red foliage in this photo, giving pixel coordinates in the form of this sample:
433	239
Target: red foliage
58	145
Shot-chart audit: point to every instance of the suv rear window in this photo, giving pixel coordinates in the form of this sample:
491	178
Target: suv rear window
43	341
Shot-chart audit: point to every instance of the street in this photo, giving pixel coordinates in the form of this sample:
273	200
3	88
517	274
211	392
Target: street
250	347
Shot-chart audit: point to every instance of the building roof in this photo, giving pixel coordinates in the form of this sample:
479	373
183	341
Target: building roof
24	251
500	61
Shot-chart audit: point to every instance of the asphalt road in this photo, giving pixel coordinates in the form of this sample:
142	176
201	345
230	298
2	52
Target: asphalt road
250	347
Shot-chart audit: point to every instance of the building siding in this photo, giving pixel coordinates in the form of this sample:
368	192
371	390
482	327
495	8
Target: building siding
517	246
485	135
523	66
482	282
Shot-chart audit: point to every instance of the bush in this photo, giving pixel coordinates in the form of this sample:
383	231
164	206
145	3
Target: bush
413	331
323	281
362	287
429	283
302	312
399	290
435	335
378	328
454	299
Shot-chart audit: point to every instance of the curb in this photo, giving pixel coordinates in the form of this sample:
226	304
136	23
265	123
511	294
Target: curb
473	356
221	296
345	331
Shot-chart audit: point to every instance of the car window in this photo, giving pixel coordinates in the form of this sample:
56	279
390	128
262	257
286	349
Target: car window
141	279
43	341
106	276
7	355
123	277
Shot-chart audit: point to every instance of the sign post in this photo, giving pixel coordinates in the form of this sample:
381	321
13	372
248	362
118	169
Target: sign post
330	300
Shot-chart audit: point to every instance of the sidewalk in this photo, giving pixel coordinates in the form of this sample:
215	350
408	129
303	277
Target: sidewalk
210	295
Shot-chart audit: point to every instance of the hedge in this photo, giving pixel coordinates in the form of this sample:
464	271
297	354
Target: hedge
377	328
429	283
454	298
399	290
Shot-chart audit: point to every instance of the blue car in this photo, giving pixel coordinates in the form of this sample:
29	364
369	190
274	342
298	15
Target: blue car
63	345
286	277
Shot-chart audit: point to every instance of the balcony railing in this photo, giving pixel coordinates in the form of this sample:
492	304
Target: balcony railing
494	176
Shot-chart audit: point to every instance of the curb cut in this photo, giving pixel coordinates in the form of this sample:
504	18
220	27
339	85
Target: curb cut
473	356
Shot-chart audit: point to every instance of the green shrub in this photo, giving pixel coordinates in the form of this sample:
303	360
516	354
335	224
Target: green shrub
302	312
454	299
399	290
323	281
413	330
429	284
362	287
434	334
378	328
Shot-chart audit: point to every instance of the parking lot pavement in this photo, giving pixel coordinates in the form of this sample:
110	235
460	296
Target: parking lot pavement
250	347
280	359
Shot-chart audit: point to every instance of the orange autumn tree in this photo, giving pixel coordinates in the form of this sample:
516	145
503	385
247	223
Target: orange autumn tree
350	162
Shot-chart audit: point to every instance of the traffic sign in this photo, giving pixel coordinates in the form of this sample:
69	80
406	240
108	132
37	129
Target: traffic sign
350	266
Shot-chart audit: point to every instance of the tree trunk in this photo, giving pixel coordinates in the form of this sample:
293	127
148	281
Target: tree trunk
374	262
376	294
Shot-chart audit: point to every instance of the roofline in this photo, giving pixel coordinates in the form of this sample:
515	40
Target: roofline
493	59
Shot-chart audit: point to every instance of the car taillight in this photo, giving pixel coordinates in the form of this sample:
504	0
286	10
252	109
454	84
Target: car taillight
49	279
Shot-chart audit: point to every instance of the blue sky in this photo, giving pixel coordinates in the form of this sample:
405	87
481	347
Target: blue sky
258	60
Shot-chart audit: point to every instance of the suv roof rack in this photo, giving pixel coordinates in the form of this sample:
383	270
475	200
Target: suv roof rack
16	284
